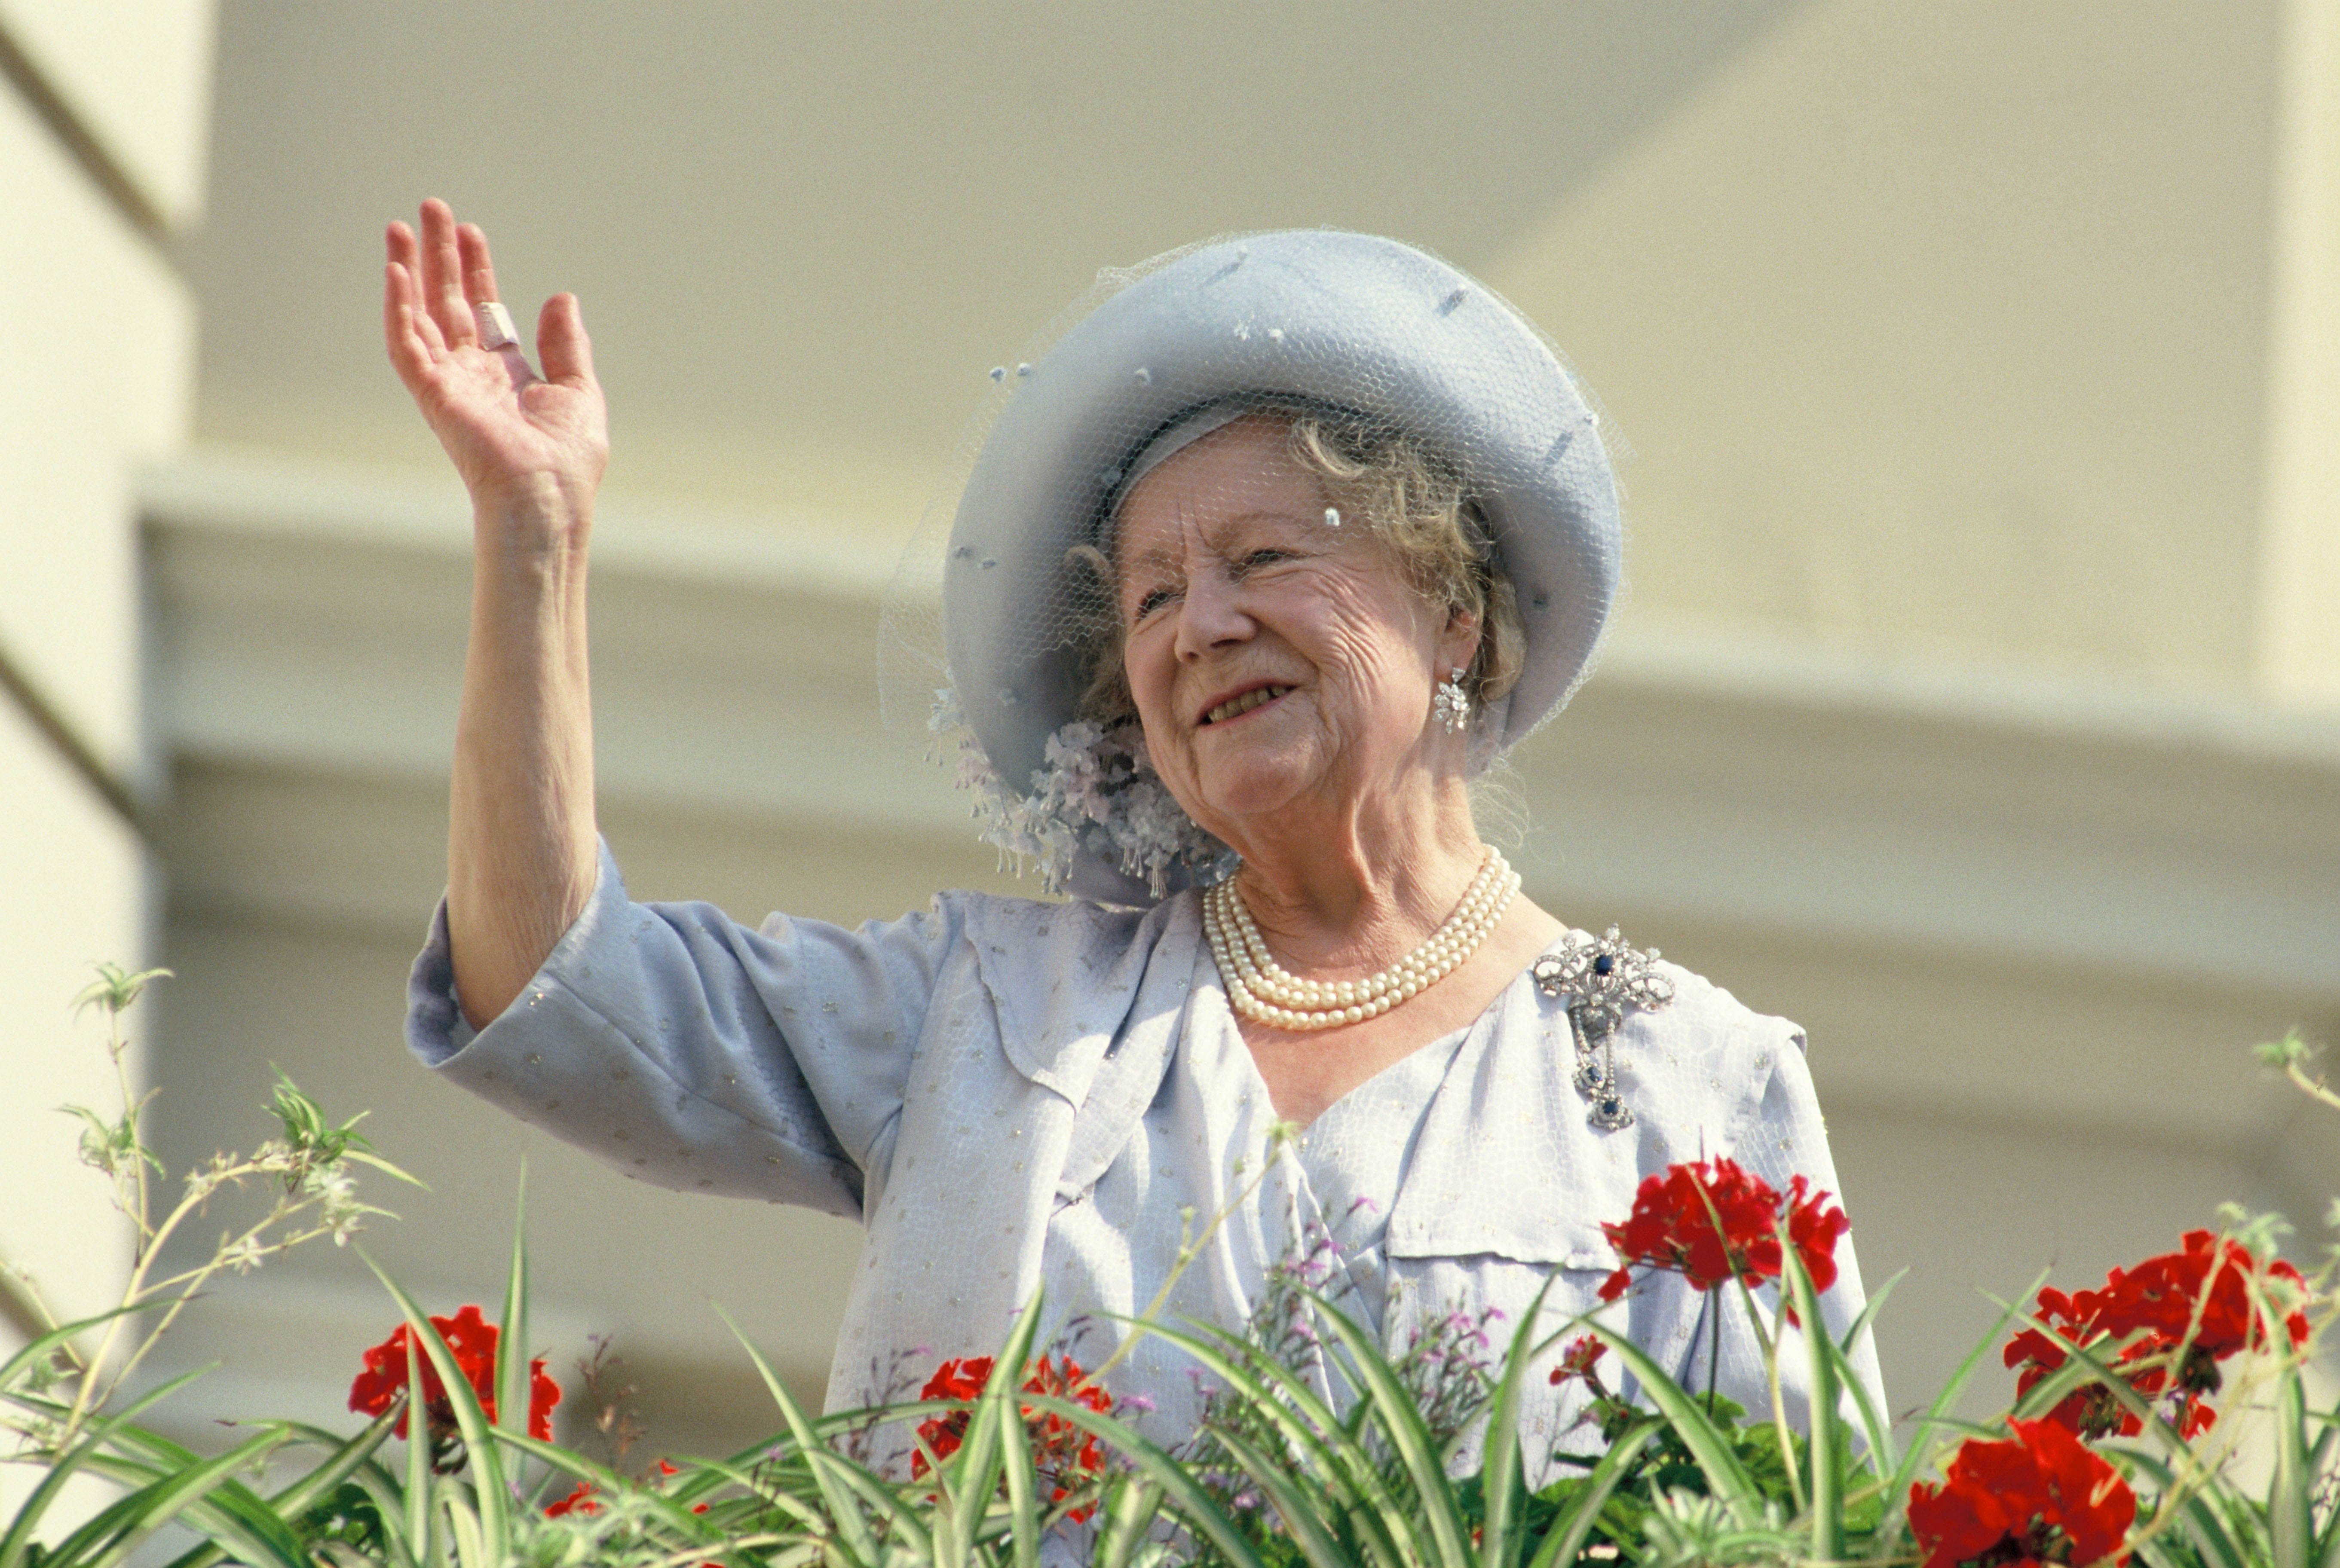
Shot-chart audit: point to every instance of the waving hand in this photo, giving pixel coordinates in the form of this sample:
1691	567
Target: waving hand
519	440
521	844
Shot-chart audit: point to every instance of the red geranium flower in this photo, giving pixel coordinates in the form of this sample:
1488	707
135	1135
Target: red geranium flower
1714	1221
1583	1353
2037	1498
584	1500
471	1340
1062	1454
587	1498
2196	1300
941	1435
1814	1227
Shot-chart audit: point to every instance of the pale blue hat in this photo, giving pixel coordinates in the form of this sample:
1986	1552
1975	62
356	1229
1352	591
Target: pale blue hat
1318	317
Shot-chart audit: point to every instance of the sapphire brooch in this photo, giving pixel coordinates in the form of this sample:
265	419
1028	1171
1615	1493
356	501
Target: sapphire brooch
1601	980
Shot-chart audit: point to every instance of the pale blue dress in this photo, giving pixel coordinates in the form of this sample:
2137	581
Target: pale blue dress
1025	1100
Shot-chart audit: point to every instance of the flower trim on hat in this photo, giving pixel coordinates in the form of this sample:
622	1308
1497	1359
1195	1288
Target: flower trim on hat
1097	793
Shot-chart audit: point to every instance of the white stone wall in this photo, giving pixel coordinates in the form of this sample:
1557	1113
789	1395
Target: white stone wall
96	355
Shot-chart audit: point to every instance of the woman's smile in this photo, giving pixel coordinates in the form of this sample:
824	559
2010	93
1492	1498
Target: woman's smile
1251	701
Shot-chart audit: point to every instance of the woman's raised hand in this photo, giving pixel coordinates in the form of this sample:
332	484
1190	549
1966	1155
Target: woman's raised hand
521	844
521	442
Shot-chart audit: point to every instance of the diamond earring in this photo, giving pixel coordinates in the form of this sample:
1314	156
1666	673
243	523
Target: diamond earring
1451	706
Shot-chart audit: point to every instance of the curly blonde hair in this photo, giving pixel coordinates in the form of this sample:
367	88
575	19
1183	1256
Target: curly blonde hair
1413	500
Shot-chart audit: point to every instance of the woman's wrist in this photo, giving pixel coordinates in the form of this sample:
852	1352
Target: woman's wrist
535	513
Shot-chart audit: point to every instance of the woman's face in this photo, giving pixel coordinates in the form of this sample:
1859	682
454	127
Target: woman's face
1275	660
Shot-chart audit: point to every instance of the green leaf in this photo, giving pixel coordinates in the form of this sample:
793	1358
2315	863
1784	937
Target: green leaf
1187	1495
108	1536
701	1477
511	1382
1937	1416
1304	1512
1709	1446
906	1526
344	1463
970	1478
1827	1448
2291	1050
421	1516
1505	1483
55	1339
345	1458
1127	1511
2327	1551
569	1462
2083	1366
104	1145
15	1545
486	1465
115	988
1875	1427
1317	1437
375	1162
254	1539
1400	1420
1007	1423
306	1126
2291	1494
1861	1325
1564	1543
464	1532
2209	1532
859	1548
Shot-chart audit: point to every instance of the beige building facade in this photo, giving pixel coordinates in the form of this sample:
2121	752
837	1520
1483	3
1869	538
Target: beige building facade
1975	703
101	157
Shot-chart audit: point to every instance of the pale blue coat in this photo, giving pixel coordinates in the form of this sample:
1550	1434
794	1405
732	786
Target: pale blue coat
960	1079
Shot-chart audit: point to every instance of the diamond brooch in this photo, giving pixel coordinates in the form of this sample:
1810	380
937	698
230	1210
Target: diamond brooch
1601	980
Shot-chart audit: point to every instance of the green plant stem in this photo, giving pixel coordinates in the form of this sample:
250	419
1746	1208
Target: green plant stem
1713	1347
197	1279
117	1047
31	1308
2315	1089
1787	1433
86	1396
133	1197
149	1248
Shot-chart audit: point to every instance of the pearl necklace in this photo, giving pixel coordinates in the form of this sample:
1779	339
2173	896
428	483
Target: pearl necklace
1259	988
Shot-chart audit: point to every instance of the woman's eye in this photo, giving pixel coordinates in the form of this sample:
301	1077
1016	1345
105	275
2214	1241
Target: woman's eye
1265	558
1149	602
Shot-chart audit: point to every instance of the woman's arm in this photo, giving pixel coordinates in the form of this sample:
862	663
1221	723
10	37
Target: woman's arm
521	844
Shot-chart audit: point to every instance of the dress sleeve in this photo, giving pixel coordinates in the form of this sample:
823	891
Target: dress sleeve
698	1053
1780	1136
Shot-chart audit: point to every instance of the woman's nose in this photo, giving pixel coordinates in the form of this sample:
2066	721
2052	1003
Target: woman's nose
1211	615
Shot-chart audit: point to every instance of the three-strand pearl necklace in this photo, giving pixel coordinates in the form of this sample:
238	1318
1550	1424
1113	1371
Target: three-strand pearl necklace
1259	988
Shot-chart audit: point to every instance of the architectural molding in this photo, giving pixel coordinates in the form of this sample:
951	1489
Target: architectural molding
71	748
1950	870
2299	642
314	621
87	150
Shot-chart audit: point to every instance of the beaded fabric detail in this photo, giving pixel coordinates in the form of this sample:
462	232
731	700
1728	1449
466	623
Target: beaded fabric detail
1261	988
1601	978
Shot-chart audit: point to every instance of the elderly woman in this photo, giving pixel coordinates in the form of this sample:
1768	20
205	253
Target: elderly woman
1274	550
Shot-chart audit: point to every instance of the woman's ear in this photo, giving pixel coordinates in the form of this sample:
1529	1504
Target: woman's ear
1458	646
